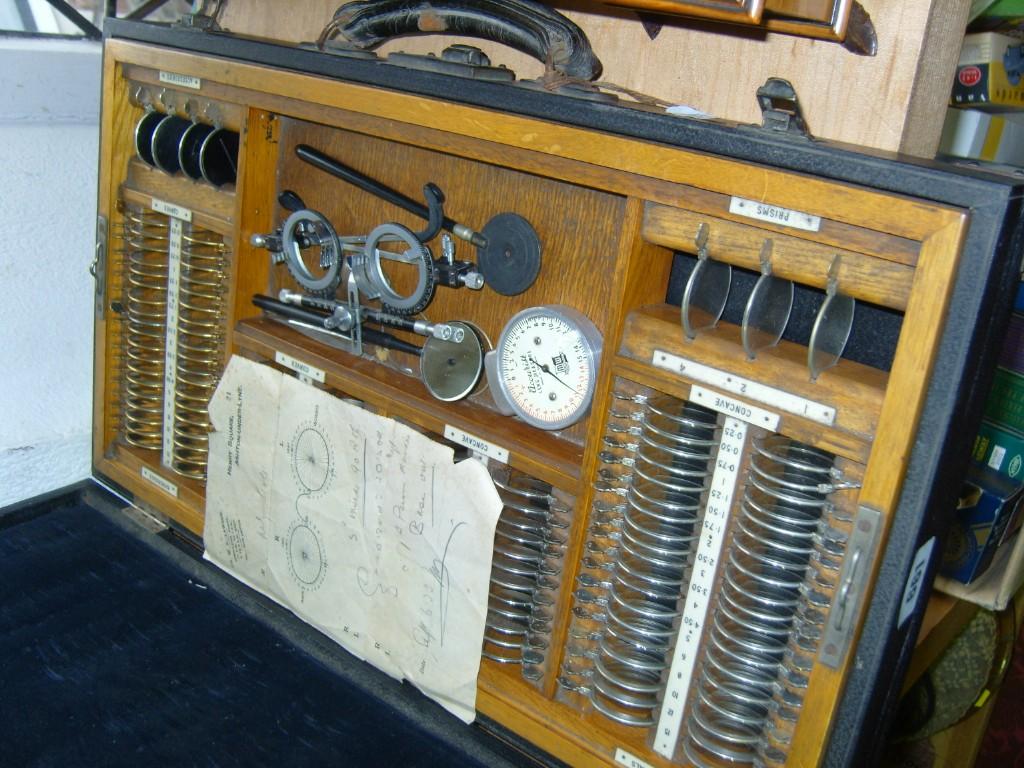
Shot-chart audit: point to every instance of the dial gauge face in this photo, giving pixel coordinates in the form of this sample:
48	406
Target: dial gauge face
547	361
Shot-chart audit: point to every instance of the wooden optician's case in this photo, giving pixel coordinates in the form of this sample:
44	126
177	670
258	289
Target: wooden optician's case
617	196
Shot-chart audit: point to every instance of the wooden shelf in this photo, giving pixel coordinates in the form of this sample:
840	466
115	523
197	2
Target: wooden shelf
854	390
544	455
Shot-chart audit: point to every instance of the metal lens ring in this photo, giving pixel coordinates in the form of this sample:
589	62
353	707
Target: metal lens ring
312	228
830	333
760	600
766	314
706	293
370	271
145	318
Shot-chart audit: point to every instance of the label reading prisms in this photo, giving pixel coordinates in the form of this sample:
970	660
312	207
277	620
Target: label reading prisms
784	217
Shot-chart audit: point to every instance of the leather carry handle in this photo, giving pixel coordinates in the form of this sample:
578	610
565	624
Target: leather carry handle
525	25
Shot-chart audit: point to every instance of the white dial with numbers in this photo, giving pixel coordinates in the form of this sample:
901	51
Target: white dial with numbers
544	368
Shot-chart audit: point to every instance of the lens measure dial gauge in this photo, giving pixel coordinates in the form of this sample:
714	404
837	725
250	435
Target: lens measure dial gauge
544	368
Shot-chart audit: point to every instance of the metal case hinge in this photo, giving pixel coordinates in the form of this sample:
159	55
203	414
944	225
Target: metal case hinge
203	16
780	108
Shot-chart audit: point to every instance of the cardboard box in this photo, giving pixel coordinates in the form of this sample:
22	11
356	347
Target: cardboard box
990	74
1000	449
995	15
1005	404
977	135
987	515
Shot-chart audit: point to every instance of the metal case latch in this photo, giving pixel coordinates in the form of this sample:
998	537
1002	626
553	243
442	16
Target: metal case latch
861	551
780	108
98	268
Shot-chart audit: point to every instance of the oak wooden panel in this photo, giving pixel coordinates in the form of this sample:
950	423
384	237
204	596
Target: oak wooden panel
578	227
255	204
580	738
865	278
179	189
540	454
115	149
124	466
847	203
897	429
856	391
640	274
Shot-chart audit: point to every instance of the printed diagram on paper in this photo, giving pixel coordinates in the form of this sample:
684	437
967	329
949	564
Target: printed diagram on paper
361	526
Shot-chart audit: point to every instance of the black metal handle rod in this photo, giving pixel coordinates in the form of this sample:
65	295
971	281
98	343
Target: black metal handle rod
318	159
369	335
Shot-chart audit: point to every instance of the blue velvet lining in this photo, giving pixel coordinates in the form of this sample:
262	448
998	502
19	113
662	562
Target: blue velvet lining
113	655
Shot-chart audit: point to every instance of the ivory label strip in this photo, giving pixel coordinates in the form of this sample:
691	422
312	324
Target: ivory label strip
164	485
490	450
185	81
698	592
171	340
784	217
746	388
301	368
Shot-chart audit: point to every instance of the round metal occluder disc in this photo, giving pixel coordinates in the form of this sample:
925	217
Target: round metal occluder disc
510	262
451	370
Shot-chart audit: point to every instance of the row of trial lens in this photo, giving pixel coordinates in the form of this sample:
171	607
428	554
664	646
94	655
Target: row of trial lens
193	143
202	290
145	259
201	286
767	619
529	548
644	530
768	307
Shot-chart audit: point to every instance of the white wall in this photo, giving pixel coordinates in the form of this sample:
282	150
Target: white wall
49	136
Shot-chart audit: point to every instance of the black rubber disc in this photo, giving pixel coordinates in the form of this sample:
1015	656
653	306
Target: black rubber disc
511	261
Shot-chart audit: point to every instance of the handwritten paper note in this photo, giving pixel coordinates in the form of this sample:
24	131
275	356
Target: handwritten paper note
360	525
